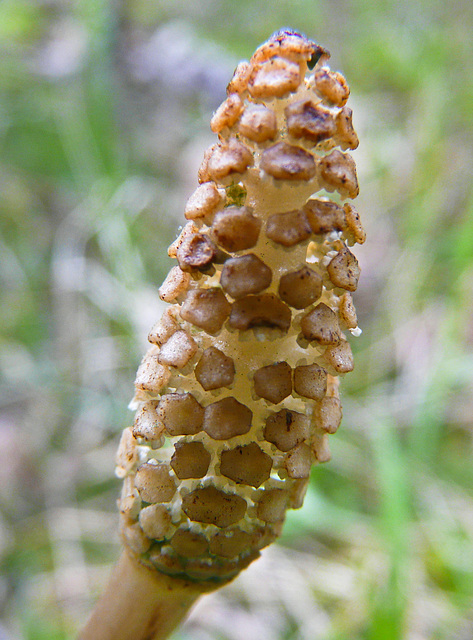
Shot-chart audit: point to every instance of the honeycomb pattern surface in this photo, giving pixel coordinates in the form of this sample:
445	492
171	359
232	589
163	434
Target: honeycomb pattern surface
238	393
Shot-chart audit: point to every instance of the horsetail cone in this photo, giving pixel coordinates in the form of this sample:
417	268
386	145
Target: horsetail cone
238	392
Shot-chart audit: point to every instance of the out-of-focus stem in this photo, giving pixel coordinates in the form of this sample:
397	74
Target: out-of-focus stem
139	604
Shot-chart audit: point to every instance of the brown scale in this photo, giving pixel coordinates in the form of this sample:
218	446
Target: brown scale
225	434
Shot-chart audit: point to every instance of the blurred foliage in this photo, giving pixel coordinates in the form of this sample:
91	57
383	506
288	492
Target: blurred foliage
104	111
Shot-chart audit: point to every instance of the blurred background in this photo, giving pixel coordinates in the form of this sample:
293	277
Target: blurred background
104	112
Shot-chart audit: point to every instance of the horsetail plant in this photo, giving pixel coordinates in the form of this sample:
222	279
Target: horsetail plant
238	393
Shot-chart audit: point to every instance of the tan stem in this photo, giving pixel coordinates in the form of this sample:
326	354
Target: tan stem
139	604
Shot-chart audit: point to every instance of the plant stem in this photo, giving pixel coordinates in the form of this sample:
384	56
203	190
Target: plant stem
140	604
